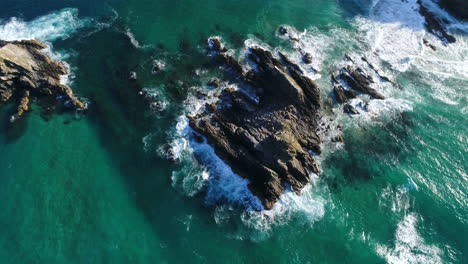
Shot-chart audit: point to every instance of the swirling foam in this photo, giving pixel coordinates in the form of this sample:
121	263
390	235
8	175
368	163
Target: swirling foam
56	25
409	246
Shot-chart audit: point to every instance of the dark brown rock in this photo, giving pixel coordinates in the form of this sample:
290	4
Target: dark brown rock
349	109
358	80
215	45
266	142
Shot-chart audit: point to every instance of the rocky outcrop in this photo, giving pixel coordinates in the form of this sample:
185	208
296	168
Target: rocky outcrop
268	141
355	78
435	25
25	71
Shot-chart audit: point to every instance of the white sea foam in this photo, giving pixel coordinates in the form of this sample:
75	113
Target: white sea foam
395	31
57	25
134	40
310	205
409	246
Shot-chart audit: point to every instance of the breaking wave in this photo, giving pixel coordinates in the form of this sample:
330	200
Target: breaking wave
56	25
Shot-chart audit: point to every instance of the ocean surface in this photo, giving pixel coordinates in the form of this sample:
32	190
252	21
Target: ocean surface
97	188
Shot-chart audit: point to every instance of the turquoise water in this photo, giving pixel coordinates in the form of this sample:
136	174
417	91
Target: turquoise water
96	189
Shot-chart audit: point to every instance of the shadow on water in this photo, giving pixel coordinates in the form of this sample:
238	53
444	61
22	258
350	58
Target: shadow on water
122	117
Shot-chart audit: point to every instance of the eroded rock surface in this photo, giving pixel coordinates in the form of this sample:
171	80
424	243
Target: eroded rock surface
270	140
25	71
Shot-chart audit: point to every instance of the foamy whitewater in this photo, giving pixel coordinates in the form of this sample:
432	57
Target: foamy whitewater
57	25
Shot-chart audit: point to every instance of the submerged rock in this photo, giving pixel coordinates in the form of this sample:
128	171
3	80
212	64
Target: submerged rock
307	58
266	141
158	66
343	95
215	45
26	71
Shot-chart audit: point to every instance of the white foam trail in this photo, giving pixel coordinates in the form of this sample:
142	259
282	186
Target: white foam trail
57	25
134	41
409	246
309	204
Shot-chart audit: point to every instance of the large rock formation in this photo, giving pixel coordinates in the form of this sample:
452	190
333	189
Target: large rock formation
26	71
269	141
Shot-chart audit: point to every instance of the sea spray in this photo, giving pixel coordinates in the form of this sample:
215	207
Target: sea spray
57	25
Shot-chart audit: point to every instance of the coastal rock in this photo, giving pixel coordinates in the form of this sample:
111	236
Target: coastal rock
343	95
307	58
357	79
266	141
215	45
28	72
349	109
214	83
435	25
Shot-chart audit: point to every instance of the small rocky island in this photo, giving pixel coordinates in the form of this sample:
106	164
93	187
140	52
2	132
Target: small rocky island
26	72
270	140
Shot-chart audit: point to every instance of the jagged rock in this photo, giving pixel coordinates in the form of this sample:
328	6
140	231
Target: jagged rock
26	71
266	142
358	80
381	76
287	62
230	62
426	43
23	106
338	139
214	83
307	58
434	25
158	67
349	109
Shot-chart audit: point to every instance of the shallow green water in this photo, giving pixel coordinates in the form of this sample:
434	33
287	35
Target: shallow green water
87	189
